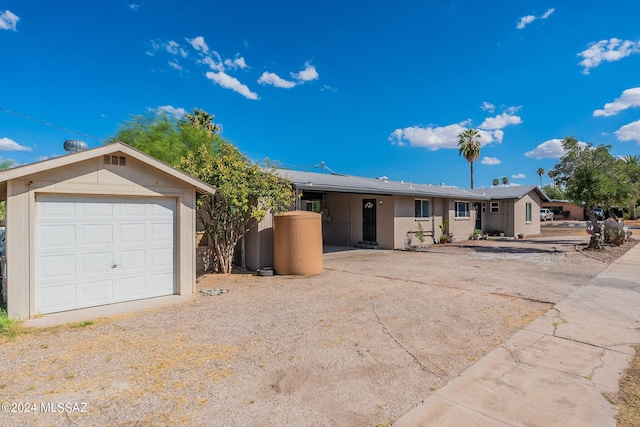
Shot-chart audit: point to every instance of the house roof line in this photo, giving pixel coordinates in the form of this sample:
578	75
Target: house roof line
512	192
313	181
48	164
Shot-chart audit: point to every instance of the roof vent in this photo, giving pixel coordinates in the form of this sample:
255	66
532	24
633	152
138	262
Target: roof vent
74	145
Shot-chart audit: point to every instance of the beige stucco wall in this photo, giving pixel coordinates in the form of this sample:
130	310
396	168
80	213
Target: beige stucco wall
90	177
501	220
511	217
336	227
405	222
384	219
521	226
461	228
342	224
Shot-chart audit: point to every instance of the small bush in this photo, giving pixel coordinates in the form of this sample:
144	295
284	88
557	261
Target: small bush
8	327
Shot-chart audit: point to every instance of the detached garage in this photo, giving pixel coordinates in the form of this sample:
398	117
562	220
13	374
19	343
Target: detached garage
97	227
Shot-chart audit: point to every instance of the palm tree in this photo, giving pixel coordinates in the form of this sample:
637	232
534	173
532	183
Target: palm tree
200	118
540	173
469	147
552	174
505	181
496	181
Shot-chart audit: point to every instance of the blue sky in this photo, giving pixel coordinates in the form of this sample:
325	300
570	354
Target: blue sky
376	88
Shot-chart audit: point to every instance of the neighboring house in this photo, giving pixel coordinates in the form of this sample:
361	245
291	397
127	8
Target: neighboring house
513	210
96	227
558	207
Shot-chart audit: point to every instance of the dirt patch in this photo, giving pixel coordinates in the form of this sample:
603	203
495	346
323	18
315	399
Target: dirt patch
359	344
628	397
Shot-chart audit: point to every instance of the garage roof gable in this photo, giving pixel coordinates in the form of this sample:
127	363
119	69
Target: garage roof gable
108	149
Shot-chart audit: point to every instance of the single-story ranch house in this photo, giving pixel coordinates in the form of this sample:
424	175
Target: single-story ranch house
386	214
96	227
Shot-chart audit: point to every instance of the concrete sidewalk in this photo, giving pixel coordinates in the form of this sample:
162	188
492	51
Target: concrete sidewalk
554	371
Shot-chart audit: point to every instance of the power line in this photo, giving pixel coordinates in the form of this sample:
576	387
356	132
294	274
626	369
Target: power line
42	122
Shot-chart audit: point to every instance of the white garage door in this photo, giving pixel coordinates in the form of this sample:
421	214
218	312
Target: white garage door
101	250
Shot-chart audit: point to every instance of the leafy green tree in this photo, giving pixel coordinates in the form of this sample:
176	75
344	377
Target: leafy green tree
202	119
505	181
469	147
4	165
540	172
631	166
552	175
164	137
496	182
592	177
554	192
245	192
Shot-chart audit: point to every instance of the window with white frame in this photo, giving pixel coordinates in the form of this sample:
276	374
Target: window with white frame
422	208
462	209
495	207
527	212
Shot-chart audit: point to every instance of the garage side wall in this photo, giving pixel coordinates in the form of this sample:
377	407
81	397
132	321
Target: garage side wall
89	178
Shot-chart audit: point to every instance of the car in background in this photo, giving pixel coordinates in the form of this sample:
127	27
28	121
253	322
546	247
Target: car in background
546	215
599	214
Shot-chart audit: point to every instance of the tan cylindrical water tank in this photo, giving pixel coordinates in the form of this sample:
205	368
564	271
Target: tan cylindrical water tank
297	243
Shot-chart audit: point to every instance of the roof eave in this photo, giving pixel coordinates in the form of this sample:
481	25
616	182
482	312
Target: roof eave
44	165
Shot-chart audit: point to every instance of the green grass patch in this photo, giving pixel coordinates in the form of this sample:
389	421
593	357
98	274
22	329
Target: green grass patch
81	324
9	327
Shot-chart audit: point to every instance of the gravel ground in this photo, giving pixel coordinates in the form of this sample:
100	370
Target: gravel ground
358	345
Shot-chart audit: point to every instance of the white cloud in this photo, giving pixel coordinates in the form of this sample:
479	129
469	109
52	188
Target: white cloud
309	73
198	44
524	21
551	149
607	51
630	132
7	144
498	135
273	79
8	20
501	121
518	176
175	65
237	62
432	138
134	6
216	66
486	106
490	161
178	113
174	48
228	82
629	98
435	138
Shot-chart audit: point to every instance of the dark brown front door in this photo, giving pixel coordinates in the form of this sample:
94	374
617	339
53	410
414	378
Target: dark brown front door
369	220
